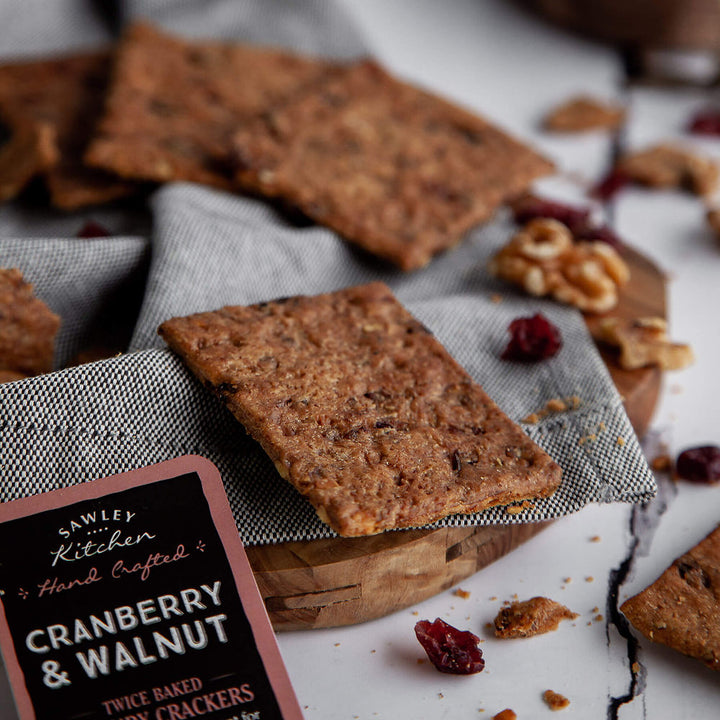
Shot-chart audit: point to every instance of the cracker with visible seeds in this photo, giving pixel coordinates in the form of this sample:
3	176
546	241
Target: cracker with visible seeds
58	101
681	608
395	170
362	409
174	103
27	328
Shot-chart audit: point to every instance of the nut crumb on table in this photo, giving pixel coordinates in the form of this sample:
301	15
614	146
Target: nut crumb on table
583	113
544	260
531	617
506	714
554	700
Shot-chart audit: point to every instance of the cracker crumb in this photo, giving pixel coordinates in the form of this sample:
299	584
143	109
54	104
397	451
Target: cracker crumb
620	441
554	405
555	701
420	661
517	509
493	598
496	298
635	667
661	463
589	578
459	592
506	714
415	612
595	539
441	696
599	617
567	580
337	644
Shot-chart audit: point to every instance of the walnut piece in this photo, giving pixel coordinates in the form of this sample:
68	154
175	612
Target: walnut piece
584	113
543	259
713	219
666	166
531	617
643	342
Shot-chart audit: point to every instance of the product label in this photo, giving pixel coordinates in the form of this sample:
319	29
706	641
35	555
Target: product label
131	598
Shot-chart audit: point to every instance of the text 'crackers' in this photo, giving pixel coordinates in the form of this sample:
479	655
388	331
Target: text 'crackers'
398	171
362	409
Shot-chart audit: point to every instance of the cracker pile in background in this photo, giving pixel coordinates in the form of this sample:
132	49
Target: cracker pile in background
395	170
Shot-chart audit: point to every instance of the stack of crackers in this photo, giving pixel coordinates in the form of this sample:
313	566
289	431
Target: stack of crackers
393	169
357	404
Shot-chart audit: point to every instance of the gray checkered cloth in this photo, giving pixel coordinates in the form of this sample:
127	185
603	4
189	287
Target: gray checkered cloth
209	249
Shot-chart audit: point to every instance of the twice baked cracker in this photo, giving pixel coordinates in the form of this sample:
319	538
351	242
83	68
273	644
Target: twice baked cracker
395	170
681	608
26	150
27	328
362	409
58	102
174	103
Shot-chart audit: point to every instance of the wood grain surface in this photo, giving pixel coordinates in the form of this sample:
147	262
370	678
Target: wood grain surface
343	581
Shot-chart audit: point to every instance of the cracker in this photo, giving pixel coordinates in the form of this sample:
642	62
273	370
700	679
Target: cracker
174	104
395	170
28	149
27	328
681	608
362	409
60	100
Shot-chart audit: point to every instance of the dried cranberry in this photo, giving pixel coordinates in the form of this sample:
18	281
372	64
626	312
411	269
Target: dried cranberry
577	219
705	122
610	185
530	207
600	232
450	650
92	229
699	464
532	339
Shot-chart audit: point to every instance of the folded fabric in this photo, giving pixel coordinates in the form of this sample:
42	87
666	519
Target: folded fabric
212	249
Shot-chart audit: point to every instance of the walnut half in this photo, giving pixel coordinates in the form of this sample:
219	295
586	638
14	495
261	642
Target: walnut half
643	342
543	259
667	166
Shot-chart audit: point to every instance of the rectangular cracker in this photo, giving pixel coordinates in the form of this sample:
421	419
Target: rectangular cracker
27	328
681	608
395	170
174	104
362	409
57	102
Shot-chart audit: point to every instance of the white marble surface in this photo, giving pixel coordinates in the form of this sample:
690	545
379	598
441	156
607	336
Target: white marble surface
493	57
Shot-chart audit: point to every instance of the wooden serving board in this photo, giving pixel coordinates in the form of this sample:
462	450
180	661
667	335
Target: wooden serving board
342	581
